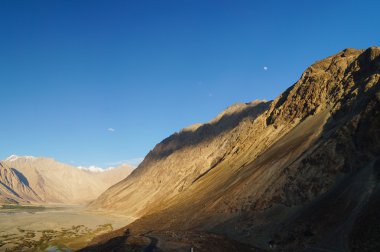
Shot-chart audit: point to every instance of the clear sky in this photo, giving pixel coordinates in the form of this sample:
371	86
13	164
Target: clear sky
101	82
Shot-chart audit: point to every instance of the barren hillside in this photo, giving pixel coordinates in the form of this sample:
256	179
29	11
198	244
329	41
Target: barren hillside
298	173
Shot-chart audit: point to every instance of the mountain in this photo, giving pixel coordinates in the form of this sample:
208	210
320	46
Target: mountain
44	180
300	173
14	187
178	161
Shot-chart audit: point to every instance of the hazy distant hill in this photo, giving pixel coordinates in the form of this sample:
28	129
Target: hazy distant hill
44	180
300	172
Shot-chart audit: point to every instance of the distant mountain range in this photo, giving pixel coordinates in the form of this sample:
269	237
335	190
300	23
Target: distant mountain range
38	180
300	173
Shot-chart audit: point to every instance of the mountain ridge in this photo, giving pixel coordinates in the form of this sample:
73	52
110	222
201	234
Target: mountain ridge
40	180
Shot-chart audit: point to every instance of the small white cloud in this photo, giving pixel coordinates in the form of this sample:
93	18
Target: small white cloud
94	168
111	129
265	68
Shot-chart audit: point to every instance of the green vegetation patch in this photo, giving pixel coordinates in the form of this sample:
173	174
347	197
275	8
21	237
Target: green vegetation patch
73	238
22	207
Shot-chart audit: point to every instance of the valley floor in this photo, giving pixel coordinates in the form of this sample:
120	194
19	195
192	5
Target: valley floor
53	228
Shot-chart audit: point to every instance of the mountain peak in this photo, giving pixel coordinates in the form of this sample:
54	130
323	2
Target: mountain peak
12	158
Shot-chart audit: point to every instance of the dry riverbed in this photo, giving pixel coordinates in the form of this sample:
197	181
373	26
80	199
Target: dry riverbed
52	228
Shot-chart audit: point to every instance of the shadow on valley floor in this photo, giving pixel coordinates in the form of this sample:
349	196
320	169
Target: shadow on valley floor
157	241
117	243
126	242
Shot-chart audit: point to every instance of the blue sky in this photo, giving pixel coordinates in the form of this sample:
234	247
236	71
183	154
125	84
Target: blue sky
70	71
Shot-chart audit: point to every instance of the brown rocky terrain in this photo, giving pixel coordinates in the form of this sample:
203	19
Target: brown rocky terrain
179	160
13	189
26	180
298	173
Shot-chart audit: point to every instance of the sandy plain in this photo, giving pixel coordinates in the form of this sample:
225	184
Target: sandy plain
53	228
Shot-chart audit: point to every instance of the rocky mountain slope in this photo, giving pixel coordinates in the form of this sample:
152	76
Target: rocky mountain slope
298	173
13	187
43	180
178	161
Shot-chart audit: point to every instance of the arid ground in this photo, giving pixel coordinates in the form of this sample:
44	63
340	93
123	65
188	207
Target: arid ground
52	228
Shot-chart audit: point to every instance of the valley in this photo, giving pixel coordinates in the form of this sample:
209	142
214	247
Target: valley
189	126
44	204
286	174
53	228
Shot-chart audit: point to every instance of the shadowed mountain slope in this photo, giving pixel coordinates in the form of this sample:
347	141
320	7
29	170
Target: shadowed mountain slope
300	173
14	187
